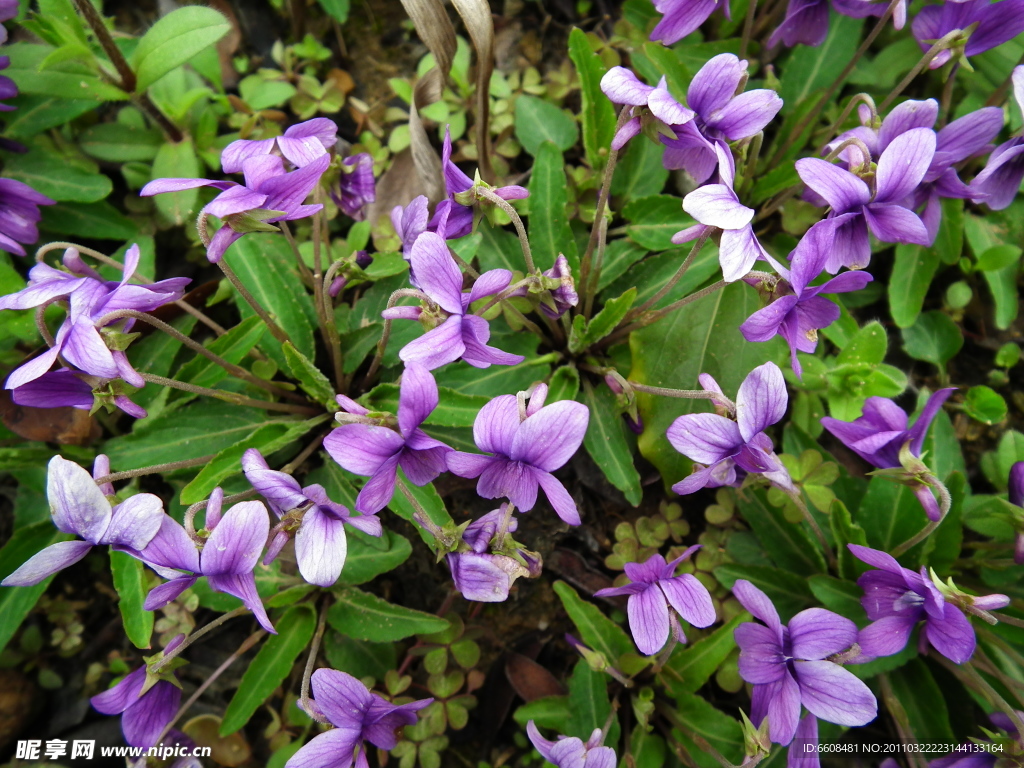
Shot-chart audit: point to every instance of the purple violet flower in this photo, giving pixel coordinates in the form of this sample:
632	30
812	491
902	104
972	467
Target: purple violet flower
722	448
19	212
228	557
806	734
653	589
410	222
881	432
564	296
459	334
799	311
65	388
145	710
1016	497
378	451
573	752
681	17
722	115
996	24
79	341
1000	179
485	577
806	22
356	186
718	206
788	666
901	168
78	506
527	443
622	87
317	523
896	599
358	715
268	195
301	144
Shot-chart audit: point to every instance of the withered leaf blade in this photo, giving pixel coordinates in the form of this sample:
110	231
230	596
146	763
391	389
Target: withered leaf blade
529	679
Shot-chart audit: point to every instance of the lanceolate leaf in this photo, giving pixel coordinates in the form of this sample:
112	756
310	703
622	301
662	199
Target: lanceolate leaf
53	176
596	630
233	346
788	545
313	382
596	113
589	705
370	556
177	160
363	616
271	666
549	225
129	583
690	666
608	444
175	39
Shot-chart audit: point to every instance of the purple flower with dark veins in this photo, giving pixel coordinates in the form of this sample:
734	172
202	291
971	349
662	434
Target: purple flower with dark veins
78	506
357	716
996	24
718	206
573	752
378	451
622	87
681	17
526	443
487	577
79	340
459	334
854	209
723	449
229	554
799	311
317	523
1016	497
65	388
145	709
268	195
301	144
789	667
19	212
896	599
880	434
1000	179
654	588
722	115
356	186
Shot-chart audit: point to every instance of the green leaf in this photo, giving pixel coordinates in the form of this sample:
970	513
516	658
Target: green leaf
271	666
538	121
868	345
603	323
589	705
547	712
714	726
810	70
312	381
619	257
427	497
690	666
370	556
177	160
840	596
336	9
596	630
53	176
653	220
889	513
984	404
363	616
549	225
121	143
175	39
265	265
36	114
998	257
651	274
233	346
648	750
934	338
704	337
912	273
94	221
949	242
1002	283
564	384
596	113
608	444
788	545
128	582
16	602
268	438
845	531
640	172
359	658
923	701
64	79
789	592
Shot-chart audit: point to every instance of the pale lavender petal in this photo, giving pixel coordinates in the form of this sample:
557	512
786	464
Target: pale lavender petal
379	489
815	633
1015	489
903	164
243	586
287	191
784	708
343	699
714	85
362	448
544	746
417	397
716	205
237	151
423	465
629	129
559	498
496	424
835	694
320	548
806	734
34	368
906	116
512	479
236	543
748	113
682	18
436	271
841	189
160	186
896	224
916	433
664	106
690	598
84	349
233	201
220	242
47	562
851	247
761	401
550	437
118	698
489	283
737	253
622	87
475	333
281	490
135	521
759	605
77	504
167	592
439	346
648	620
704	437
478	577
301	151
763	325
332	749
468	464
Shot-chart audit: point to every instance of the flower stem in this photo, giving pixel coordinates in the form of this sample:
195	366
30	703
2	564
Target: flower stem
970	677
945	502
748	27
193	510
41	324
513	214
798	500
275	330
654	316
307	673
385	336
940	45
664	290
168	467
198	634
230	397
